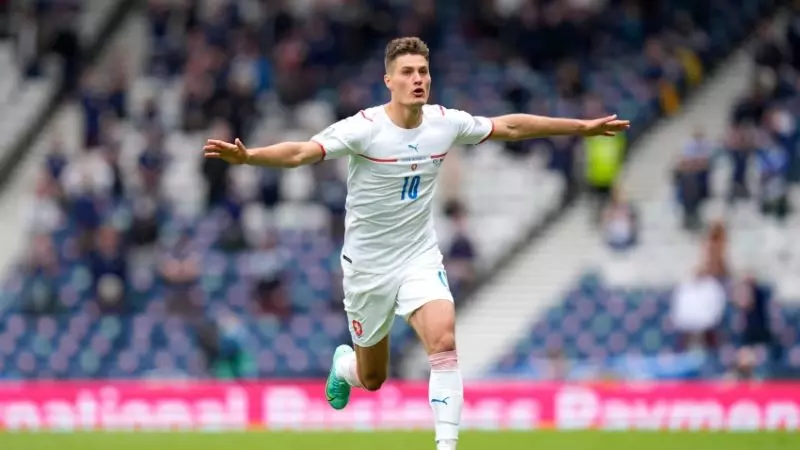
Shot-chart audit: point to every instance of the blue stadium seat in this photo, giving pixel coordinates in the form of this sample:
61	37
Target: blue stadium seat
619	329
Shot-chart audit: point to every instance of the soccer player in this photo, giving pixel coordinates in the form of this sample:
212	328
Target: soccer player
390	259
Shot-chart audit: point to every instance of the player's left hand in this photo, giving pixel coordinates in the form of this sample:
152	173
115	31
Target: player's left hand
606	126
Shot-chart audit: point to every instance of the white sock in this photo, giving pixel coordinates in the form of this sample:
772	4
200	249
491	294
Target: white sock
446	396
347	370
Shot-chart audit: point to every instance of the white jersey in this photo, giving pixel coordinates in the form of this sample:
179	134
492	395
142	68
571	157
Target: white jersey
391	182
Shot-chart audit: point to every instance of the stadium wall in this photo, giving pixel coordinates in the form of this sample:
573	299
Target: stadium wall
158	406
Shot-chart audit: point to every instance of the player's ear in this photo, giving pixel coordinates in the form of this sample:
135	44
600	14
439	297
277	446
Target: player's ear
387	80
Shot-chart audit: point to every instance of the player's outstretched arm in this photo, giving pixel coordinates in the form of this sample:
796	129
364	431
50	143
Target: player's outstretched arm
519	127
283	155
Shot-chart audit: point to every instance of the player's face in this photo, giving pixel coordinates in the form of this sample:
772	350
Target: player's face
409	80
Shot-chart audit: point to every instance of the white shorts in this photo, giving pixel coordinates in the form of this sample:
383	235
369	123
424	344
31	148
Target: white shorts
371	301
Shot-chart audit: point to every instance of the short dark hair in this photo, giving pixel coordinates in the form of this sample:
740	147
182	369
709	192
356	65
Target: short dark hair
405	46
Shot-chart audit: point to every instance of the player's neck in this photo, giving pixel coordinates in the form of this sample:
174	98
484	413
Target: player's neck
404	116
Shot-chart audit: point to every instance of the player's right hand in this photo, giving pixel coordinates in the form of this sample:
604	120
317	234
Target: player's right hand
235	153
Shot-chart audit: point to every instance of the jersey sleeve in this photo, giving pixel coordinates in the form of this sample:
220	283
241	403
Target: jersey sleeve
471	130
342	138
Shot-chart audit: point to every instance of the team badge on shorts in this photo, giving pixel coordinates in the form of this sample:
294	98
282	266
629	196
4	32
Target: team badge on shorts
357	328
413	167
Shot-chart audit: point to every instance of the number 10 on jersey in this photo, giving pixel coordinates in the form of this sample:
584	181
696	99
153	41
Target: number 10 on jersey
410	188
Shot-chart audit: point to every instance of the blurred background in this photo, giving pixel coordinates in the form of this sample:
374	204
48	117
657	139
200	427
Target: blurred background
671	252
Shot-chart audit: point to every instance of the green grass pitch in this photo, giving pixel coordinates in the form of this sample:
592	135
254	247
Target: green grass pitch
540	440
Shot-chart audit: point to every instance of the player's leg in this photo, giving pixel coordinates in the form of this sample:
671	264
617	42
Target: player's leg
372	364
369	303
434	323
367	367
425	300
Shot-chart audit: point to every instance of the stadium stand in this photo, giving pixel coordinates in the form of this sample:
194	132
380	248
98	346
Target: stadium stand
617	333
163	320
44	44
155	263
708	296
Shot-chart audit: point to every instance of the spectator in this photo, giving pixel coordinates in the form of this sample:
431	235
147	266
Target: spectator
144	228
198	89
41	274
266	265
663	74
108	263
570	80
562	161
94	102
270	186
699	302
697	307
168	20
152	161
28	33
515	92
272	296
738	148
692	174
744	366
111	153
118	91
86	208
620	226
782	126
151	116
749	110
47	210
753	298
604	158
180	270
773	169
769	51
232	238
557	368
461	254
56	160
216	171
630	25
331	191
66	41
689	36
715	253
231	360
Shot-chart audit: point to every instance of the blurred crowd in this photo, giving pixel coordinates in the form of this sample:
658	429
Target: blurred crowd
756	163
659	50
762	137
228	59
762	154
715	324
718	306
43	28
637	59
231	60
759	160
